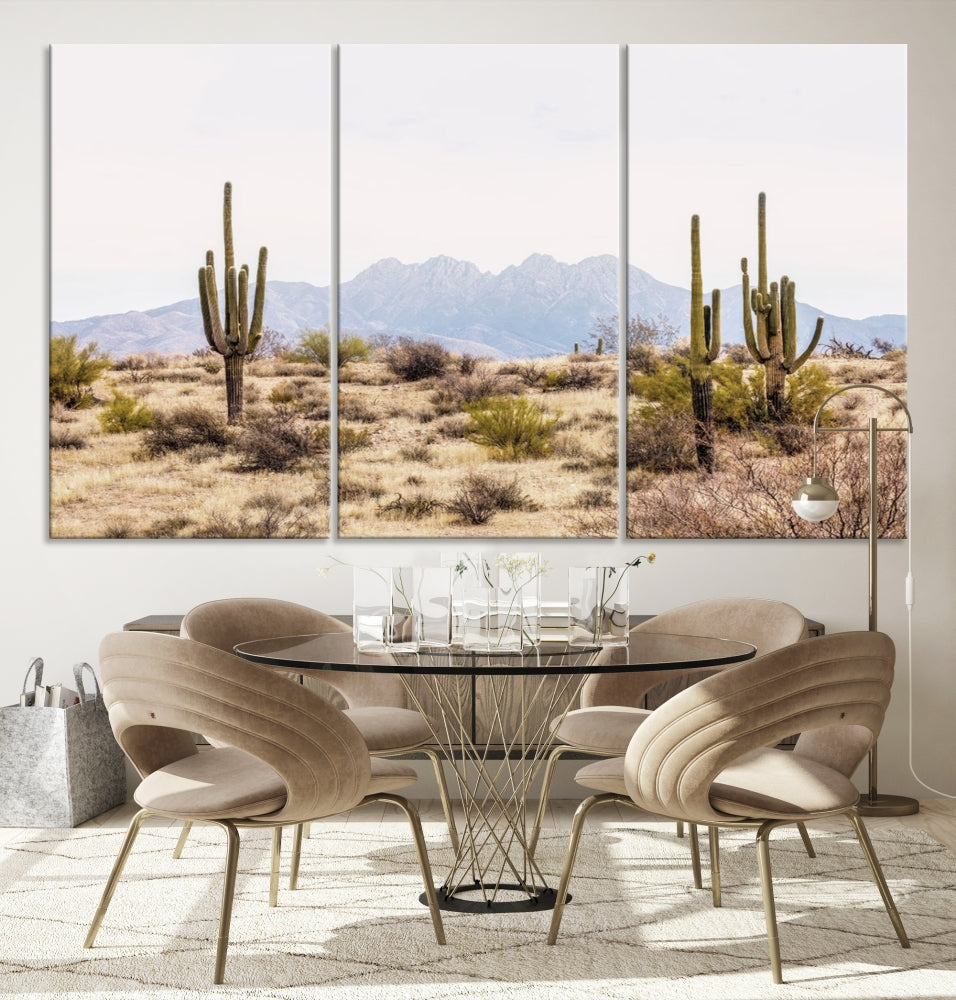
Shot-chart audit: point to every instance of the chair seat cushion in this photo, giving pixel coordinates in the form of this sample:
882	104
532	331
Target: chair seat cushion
604	729
604	776
390	730
219	783
778	784
764	784
387	775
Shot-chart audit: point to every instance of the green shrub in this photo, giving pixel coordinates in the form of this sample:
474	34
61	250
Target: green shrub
413	360
73	371
807	388
668	386
125	414
185	427
578	376
512	429
315	347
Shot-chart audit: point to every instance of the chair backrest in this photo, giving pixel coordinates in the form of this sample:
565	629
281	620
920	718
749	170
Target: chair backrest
224	623
159	689
766	624
828	683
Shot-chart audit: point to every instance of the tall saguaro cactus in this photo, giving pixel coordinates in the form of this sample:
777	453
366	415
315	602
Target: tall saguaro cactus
704	348
773	340
238	335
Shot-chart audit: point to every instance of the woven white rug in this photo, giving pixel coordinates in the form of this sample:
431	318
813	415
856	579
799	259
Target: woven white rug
636	927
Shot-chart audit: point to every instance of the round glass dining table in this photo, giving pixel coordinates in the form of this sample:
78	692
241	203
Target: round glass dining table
493	869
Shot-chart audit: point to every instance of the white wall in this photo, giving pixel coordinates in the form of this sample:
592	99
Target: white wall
58	598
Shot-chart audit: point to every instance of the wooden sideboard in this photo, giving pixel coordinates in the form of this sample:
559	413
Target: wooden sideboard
482	718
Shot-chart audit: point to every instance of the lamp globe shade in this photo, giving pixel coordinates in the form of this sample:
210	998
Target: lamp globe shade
816	499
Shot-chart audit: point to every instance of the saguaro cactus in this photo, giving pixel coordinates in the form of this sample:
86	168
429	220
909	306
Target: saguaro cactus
704	348
773	341
239	335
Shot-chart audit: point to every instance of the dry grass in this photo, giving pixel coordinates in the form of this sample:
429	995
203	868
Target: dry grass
107	489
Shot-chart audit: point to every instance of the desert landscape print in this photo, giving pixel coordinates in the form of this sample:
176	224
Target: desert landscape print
467	375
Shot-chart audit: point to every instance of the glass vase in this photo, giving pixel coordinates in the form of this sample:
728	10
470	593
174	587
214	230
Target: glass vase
599	605
432	603
383	609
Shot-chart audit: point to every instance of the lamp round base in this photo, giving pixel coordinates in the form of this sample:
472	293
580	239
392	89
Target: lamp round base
887	805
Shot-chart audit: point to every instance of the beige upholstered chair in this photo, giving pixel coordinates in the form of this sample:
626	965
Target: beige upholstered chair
284	754
612	704
376	701
709	754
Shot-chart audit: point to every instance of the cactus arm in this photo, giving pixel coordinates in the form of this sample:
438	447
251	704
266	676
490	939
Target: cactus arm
255	326
788	322
762	241
209	305
713	322
818	331
748	321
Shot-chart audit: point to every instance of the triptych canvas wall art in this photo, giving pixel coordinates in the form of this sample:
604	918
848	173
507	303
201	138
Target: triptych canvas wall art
477	312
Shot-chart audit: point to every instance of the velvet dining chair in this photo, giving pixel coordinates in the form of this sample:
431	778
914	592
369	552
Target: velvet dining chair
612	704
375	702
282	755
709	755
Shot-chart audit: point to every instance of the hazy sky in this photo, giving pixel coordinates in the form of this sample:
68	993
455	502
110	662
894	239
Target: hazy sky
484	152
143	139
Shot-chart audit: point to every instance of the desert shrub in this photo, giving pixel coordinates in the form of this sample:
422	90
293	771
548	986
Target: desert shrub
512	429
353	438
530	372
124	414
739	354
275	441
668	386
479	496
595	499
789	439
660	440
211	367
184	427
272	344
413	360
419	452
445	401
359	488
302	396
315	347
268	514
454	426
575	377
807	388
410	508
356	408
73	371
66	437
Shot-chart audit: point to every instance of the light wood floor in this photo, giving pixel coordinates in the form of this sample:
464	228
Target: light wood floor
937	817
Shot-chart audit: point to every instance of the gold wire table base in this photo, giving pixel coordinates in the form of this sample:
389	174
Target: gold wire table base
493	870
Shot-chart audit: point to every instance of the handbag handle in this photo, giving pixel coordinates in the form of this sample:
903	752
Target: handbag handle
78	669
37	666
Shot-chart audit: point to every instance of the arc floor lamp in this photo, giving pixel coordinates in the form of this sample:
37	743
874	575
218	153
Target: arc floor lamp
816	500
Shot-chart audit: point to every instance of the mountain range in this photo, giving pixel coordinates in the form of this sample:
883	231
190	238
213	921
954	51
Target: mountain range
537	308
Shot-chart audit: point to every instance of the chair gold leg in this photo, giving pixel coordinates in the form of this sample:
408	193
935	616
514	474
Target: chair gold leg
807	843
546	781
414	820
134	827
296	856
228	894
769	907
307	830
877	870
695	856
713	843
680	829
274	868
183	837
577	825
437	760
